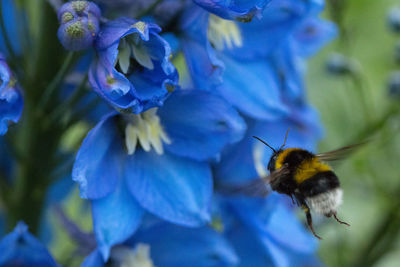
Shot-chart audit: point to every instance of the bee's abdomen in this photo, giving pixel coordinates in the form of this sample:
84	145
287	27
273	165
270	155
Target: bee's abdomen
322	192
319	183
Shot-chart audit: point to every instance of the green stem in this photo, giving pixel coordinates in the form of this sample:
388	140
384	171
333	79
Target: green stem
76	96
36	145
81	113
58	79
374	127
367	106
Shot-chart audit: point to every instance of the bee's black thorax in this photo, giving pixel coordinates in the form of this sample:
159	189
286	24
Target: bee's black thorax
294	158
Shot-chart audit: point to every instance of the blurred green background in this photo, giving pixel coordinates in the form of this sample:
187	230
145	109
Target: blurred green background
354	107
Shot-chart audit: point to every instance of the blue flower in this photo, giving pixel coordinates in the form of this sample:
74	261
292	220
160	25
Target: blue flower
393	19
20	248
237	59
312	34
133	71
79	24
167	245
266	232
156	161
241	10
10	97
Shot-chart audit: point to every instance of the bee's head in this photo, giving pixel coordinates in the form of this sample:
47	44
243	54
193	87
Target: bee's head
276	152
272	160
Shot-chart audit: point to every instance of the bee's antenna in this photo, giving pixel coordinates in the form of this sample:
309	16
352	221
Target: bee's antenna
284	141
265	143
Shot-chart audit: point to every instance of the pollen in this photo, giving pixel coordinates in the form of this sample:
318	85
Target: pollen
67	16
110	80
79	6
223	33
145	129
76	30
140	26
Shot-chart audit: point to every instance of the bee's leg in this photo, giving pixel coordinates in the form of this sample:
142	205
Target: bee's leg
299	198
309	219
339	221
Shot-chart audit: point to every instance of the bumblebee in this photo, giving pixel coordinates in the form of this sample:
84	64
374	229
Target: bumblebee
305	178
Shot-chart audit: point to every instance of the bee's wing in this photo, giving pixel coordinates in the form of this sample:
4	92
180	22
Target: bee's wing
257	187
340	153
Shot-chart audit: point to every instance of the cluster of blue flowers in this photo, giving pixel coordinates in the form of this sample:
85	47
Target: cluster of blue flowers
188	83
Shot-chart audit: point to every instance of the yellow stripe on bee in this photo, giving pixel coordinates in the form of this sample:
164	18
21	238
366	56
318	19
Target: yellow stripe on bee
282	156
308	168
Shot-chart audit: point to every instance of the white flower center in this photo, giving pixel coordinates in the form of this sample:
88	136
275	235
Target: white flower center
132	47
145	128
126	257
223	33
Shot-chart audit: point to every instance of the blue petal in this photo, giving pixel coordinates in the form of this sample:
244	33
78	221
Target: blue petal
116	29
176	189
242	10
115	218
248	247
10	111
199	124
20	248
279	20
254	88
313	34
118	91
172	246
97	166
291	235
93	260
205	68
11	101
271	230
14	22
290	68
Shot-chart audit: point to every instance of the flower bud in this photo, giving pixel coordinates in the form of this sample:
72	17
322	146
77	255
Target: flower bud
79	24
393	19
394	85
339	64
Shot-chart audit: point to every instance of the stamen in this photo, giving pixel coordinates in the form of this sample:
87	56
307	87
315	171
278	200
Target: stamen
223	33
124	56
132	47
138	257
145	129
